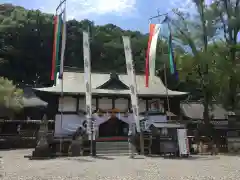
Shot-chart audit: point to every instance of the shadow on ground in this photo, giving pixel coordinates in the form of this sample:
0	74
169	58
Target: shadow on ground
78	159
195	157
104	157
231	154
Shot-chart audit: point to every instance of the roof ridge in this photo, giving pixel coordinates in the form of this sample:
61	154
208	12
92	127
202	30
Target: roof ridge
105	73
81	70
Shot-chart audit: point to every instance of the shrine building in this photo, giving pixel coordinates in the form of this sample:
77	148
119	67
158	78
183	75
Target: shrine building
110	102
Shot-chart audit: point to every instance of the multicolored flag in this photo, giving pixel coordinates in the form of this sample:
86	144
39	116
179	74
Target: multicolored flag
56	24
59	45
171	57
238	37
151	52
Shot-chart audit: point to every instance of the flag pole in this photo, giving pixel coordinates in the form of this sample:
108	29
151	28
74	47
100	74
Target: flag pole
166	85
62	2
165	76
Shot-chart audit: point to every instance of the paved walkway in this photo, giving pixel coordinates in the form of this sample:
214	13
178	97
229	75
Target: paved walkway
16	167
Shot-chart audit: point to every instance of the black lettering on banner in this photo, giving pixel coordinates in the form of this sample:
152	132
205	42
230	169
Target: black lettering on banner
87	87
86	44
127	48
133	70
88	110
129	66
132	89
134	108
86	62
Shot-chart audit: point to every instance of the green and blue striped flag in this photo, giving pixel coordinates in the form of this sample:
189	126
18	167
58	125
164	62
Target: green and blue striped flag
173	69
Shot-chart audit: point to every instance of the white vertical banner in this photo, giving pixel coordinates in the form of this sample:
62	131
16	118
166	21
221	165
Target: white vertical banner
131	75
88	85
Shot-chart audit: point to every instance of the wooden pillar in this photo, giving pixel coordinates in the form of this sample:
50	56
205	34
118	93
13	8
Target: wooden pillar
77	104
165	105
97	103
147	105
113	103
129	104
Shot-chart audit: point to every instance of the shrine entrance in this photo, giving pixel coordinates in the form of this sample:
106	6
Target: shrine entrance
114	127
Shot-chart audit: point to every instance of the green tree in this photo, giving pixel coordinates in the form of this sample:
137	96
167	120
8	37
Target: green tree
196	35
226	15
10	95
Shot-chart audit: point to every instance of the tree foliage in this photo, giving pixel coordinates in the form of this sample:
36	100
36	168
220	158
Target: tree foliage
10	95
213	48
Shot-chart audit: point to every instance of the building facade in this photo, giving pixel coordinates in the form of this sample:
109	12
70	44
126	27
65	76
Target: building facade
110	102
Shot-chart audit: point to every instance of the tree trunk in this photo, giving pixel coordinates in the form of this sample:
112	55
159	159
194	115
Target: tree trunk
232	82
206	119
206	109
232	93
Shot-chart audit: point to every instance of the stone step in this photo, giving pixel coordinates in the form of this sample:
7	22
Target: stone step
113	142
110	145
112	148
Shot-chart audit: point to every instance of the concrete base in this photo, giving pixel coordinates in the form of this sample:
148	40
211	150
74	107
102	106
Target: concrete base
41	152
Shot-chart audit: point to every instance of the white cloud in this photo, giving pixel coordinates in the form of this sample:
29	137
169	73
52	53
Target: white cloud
85	8
183	5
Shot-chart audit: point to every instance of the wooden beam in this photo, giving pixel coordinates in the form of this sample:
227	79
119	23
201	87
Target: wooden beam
97	103
147	105
77	104
129	104
113	103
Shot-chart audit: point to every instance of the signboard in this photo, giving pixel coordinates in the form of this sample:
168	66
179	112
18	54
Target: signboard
183	142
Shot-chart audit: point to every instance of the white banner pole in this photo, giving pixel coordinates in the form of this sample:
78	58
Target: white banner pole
133	93
88	85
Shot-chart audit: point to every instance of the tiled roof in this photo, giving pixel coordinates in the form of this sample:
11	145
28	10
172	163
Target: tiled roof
194	110
73	83
31	100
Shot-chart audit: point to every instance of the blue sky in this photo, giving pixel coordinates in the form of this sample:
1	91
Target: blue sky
128	14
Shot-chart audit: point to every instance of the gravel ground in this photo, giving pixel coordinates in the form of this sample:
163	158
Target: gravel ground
16	167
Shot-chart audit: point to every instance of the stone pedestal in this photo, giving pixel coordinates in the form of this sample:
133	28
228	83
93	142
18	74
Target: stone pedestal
42	149
94	152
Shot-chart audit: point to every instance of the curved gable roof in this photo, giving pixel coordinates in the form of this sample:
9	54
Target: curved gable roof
73	82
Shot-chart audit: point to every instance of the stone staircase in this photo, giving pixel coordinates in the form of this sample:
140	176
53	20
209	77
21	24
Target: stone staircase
112	148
